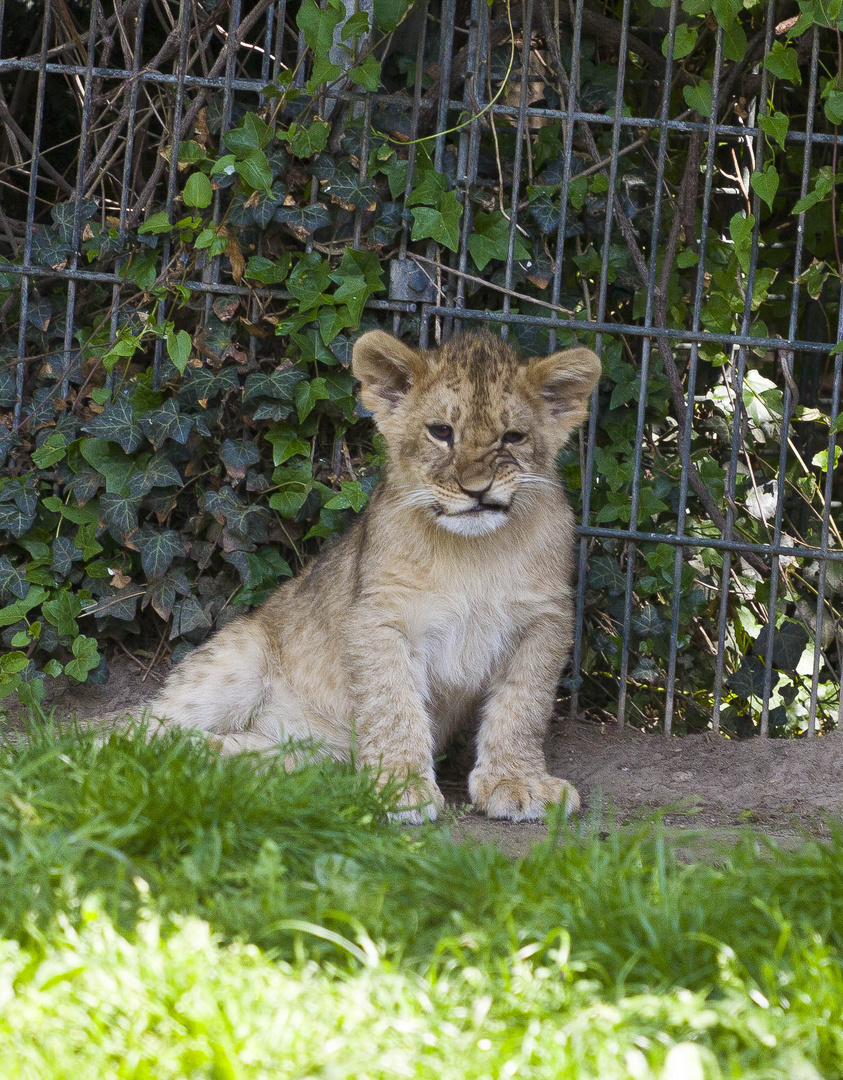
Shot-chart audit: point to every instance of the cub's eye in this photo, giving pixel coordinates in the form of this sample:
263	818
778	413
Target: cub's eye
513	437
441	432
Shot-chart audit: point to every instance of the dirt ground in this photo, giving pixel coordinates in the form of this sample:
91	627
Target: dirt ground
784	788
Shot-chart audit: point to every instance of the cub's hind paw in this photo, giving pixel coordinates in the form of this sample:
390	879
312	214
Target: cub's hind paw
521	798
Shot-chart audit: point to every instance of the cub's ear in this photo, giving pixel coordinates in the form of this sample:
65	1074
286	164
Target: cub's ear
565	381
386	368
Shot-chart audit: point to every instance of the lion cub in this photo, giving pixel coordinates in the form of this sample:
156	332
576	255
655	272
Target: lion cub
448	602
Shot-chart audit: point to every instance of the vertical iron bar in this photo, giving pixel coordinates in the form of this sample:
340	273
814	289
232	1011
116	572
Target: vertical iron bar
178	110
526	41
786	359
834	412
469	147
79	196
576	657
679	557
737	419
37	125
645	368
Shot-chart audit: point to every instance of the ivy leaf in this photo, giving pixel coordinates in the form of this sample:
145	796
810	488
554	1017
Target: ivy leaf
305	141
86	658
255	170
158	549
266	271
64	214
198	192
117	603
178	349
12	580
157	223
351	496
647	622
117	423
109	461
748	680
166	423
683	44
279	384
161	595
13	613
189	615
295	483
15	521
775	127
820	459
202	384
308	393
228	510
79	515
286	443
353	292
740	229
61	612
340	385
64	553
346	188
159	472
306	218
50	451
119	515
789	643
699	97
333	321
605	573
766	184
734	42
490	240
8	388
646	671
429	191
542	209
237	455
367	75
834	107
318	25
257	209
823	183
250	134
783	62
389	13
442	225
288	502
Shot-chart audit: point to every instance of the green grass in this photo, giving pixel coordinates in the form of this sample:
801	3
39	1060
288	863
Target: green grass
166	913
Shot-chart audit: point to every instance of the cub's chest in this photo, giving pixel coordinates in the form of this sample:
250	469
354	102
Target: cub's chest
459	641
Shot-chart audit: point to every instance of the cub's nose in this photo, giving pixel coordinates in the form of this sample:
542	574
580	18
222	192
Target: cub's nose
475	487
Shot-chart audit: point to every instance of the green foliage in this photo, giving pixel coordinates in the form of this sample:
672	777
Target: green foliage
200	455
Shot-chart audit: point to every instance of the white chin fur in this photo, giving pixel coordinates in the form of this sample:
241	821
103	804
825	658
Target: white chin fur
473	524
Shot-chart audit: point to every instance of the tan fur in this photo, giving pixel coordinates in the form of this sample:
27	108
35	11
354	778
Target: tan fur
429	614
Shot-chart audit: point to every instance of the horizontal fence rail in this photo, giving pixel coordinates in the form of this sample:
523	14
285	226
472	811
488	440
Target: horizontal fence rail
596	182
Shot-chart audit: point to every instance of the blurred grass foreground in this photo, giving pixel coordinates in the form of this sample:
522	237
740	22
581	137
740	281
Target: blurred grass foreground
167	913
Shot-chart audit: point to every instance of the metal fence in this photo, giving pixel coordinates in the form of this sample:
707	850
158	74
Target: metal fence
138	79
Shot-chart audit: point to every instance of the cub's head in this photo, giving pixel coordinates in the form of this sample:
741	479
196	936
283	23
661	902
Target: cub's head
473	430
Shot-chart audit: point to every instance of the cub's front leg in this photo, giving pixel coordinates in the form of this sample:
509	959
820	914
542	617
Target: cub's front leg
392	728
510	779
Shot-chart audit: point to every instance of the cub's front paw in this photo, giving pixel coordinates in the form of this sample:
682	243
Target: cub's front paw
418	804
520	798
420	800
